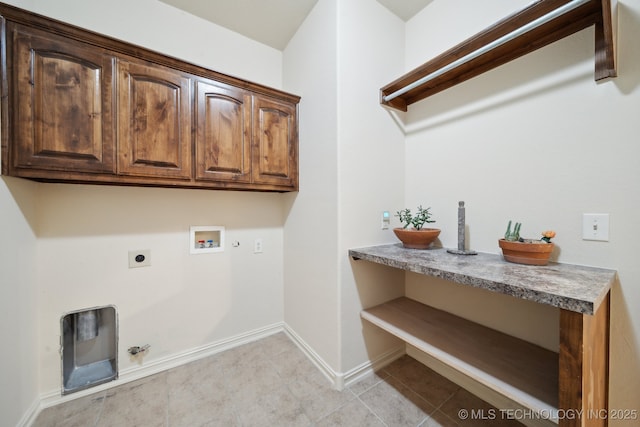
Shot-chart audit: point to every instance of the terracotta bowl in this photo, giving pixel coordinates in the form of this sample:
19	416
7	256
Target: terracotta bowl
417	239
526	252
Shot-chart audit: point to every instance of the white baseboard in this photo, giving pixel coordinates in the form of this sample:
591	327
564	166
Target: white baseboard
55	397
315	358
339	380
344	379
354	375
30	416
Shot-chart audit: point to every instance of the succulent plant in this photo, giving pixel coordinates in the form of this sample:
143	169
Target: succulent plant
422	217
512	236
548	235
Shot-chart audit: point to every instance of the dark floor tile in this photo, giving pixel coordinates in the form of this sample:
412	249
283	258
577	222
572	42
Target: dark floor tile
432	386
469	410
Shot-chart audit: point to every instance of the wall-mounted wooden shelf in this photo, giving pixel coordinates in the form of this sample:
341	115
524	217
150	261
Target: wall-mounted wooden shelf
526	373
593	12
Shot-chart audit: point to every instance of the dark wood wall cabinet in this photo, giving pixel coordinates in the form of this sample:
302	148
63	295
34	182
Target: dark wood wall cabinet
81	107
539	24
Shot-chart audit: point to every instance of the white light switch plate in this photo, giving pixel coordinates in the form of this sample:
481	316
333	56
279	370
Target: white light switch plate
386	220
595	227
257	246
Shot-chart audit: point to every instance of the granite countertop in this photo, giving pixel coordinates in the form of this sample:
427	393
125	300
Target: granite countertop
567	286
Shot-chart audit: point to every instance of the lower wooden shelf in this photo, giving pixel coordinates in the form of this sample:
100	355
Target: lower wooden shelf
523	372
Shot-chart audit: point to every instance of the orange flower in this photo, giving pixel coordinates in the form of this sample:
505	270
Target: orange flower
549	234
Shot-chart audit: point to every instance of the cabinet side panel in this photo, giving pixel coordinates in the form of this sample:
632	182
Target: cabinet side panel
584	366
571	360
596	366
4	100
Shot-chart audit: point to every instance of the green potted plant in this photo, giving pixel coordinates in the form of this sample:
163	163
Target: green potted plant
413	234
526	251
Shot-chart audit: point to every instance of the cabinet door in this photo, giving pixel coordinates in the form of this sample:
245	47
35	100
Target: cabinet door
275	143
223	133
154	121
63	104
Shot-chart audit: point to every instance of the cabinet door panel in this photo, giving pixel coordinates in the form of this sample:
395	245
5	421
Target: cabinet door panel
154	121
223	123
64	104
275	143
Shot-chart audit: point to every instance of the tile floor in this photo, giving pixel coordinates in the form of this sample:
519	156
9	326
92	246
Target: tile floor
270	382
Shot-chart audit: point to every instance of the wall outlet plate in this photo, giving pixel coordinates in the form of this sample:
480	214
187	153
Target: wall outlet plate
140	258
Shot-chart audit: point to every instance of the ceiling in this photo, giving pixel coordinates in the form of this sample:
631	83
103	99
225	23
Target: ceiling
272	22
404	9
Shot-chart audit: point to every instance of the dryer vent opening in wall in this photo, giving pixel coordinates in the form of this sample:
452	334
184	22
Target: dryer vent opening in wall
89	348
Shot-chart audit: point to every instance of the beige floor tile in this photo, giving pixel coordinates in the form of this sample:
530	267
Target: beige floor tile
203	412
277	408
248	381
396	404
271	382
367	382
139	403
292	364
222	422
353	414
438	419
198	403
324	401
308	383
317	395
203	370
75	413
242	355
276	344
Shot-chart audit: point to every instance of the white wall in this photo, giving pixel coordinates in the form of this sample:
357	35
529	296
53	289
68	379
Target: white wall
539	142
183	301
18	302
18	298
351	162
310	279
371	170
80	236
171	31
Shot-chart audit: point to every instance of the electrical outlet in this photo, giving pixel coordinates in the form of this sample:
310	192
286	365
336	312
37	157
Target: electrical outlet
140	258
595	227
257	246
